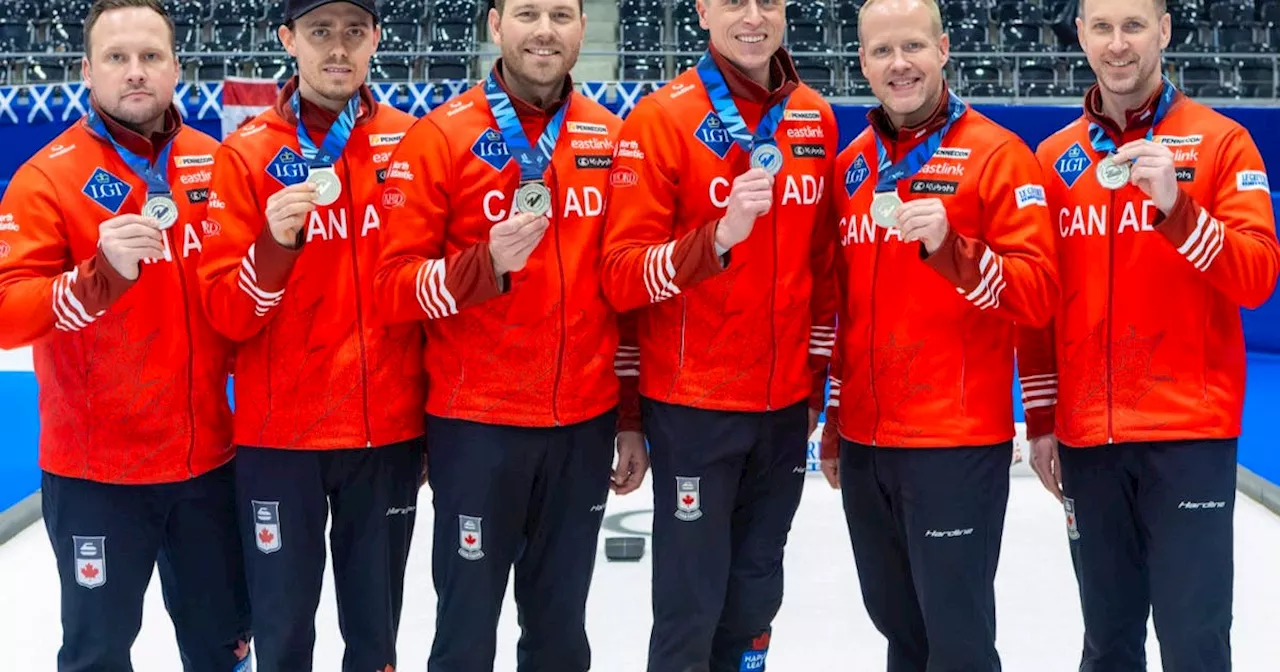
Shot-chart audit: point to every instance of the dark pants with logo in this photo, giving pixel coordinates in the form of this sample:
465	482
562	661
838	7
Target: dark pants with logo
529	497
1151	532
726	486
108	539
284	499
926	526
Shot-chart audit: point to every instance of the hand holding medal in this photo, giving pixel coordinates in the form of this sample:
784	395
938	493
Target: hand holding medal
512	241
287	212
924	220
1149	166
128	239
750	197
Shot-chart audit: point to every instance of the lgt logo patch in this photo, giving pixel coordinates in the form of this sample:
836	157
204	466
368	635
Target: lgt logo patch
266	526
1072	164
288	167
856	175
107	190
712	133
91	560
492	149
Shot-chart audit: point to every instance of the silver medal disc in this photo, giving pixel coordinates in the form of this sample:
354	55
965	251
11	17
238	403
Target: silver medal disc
162	209
768	158
884	209
534	198
328	186
1112	175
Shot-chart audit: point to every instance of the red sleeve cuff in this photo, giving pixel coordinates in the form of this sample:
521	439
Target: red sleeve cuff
100	285
1040	421
471	278
700	258
818	391
273	262
956	260
1181	220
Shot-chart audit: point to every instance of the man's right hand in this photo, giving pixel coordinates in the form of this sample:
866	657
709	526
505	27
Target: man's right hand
287	212
127	240
511	242
1044	461
750	197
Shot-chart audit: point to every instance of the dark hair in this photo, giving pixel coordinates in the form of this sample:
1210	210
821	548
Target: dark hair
501	4
100	7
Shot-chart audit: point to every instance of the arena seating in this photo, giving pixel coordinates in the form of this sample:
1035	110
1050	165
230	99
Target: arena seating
1001	48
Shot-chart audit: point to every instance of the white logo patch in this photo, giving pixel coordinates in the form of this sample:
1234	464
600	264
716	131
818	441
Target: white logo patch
688	499
1030	194
470	538
1252	180
953	153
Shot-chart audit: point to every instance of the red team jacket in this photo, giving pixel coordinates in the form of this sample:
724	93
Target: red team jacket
133	381
926	342
316	366
538	347
751	331
1147	343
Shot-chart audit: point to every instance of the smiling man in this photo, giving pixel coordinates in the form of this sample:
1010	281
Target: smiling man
494	211
718	237
1166	231
328	397
100	234
945	244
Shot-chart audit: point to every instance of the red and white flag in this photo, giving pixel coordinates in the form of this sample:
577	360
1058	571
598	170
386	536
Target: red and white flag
243	99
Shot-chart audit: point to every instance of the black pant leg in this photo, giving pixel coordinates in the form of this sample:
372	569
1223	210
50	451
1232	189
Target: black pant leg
283	510
876	530
698	458
481	478
1108	552
767	500
374	501
105	540
553	574
202	574
953	506
1187	506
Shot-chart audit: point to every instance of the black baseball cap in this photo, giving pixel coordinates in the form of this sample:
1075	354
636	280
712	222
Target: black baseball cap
294	9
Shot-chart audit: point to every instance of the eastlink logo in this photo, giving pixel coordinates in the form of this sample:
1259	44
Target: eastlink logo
592	144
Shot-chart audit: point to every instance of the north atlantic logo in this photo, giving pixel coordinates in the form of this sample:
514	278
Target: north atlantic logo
492	149
107	190
856	175
714	135
288	168
1072	164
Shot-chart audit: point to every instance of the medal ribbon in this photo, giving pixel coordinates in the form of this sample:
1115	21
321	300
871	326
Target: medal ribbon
334	142
1103	144
156	177
533	162
909	165
727	110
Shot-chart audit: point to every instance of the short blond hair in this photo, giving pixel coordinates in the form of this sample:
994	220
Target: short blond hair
935	14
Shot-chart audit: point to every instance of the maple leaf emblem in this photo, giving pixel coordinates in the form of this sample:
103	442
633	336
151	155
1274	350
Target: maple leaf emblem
760	643
688	500
89	571
265	536
470	539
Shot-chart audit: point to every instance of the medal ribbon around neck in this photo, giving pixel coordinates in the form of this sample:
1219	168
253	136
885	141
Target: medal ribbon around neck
909	165
334	142
533	162
722	101
1103	144
156	176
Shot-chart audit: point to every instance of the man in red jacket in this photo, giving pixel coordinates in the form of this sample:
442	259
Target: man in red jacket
1166	230
494	211
328	396
718	238
945	246
100	233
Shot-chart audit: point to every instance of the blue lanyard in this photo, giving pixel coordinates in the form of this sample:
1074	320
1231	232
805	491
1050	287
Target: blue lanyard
156	177
909	165
1103	143
727	110
532	163
334	142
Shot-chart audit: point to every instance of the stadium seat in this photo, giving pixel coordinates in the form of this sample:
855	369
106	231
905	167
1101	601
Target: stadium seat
404	11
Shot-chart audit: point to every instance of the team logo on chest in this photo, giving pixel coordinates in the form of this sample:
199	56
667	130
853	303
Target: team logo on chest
492	149
107	190
1072	164
712	133
266	526
91	560
688	498
288	168
856	175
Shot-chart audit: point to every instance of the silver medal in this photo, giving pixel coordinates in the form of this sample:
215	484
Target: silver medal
161	208
884	209
534	198
328	186
1112	175
767	157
